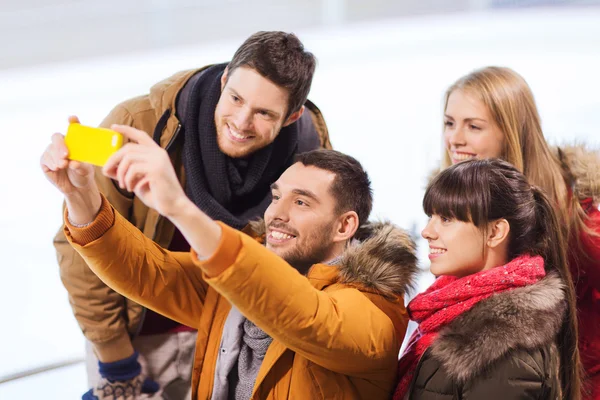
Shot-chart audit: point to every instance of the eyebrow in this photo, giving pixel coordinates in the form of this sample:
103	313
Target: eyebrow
301	192
466	119
306	193
274	114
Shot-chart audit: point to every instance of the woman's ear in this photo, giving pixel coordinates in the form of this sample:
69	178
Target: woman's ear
498	231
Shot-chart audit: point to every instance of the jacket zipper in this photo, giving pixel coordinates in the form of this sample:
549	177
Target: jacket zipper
175	134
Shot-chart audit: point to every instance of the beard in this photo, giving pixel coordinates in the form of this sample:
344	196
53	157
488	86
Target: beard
312	251
227	147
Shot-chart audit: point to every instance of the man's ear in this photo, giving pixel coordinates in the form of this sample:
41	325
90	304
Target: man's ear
294	117
498	232
346	227
224	78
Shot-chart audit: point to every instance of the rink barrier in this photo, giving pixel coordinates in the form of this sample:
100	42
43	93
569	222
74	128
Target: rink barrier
40	370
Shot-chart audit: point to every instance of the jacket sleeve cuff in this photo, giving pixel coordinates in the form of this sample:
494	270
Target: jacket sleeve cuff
99	226
116	349
225	255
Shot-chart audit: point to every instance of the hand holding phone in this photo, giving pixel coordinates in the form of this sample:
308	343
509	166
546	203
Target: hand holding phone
92	145
73	178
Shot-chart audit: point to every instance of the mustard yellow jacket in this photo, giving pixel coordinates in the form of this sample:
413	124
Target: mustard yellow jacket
336	332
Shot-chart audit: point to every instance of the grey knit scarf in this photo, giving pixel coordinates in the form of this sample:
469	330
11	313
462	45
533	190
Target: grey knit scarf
255	343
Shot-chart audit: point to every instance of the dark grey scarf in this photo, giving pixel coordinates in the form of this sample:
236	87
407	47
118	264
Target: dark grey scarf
230	190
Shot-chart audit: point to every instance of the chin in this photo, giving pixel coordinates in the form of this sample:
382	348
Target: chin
234	151
438	271
281	253
279	250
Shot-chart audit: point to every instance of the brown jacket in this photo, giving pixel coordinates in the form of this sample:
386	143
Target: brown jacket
106	318
336	333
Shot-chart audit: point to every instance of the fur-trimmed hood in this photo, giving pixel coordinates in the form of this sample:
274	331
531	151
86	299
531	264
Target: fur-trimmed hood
582	167
524	318
381	259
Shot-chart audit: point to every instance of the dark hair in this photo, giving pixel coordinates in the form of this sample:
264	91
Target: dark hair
351	187
480	191
280	57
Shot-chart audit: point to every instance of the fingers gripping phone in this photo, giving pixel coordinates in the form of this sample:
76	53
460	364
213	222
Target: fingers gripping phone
92	145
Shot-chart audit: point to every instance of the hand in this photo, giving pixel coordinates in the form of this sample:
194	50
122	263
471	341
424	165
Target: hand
118	390
144	168
121	380
68	176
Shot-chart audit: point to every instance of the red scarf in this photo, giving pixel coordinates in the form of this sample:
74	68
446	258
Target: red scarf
448	297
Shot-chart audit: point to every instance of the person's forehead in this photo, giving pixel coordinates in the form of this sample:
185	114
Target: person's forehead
256	89
461	100
310	178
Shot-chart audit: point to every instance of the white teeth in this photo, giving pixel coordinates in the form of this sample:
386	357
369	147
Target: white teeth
280	235
437	251
236	135
462	157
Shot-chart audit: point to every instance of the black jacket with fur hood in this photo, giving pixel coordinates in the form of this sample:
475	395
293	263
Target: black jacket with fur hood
503	348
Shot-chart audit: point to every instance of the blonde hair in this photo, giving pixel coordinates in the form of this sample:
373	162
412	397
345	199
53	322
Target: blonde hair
511	104
512	107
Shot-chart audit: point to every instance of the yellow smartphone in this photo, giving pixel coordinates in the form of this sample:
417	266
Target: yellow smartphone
92	145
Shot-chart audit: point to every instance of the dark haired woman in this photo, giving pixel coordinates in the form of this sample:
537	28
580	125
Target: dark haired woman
500	320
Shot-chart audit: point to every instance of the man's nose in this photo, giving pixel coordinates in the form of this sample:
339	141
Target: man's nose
243	119
278	211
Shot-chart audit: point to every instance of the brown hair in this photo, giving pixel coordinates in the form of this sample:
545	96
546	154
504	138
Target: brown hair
351	187
512	106
280	57
480	191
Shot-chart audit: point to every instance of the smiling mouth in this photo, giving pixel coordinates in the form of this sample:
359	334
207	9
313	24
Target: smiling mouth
238	136
435	250
278	237
281	235
462	156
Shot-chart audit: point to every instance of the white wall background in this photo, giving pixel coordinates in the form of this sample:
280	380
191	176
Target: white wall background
380	87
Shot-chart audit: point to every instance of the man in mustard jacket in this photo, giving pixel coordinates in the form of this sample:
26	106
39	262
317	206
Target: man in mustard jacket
230	129
316	313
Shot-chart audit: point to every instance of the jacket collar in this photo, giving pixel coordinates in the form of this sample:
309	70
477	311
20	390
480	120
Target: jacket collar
381	260
525	318
583	164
